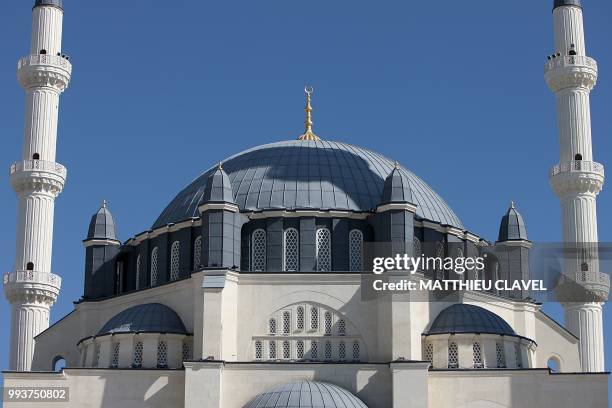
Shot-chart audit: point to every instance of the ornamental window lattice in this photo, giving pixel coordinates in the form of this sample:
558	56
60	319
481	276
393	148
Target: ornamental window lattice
300	349
356	251
341	327
416	247
328	324
258	350
137	360
115	355
197	253
440	256
323	250
477	354
429	352
517	355
342	351
258	251
453	355
186	351
286	322
328	350
499	355
314	318
286	350
291	250
272	350
300	318
96	361
162	354
154	255
272	326
314	350
174	260
138	272
356	351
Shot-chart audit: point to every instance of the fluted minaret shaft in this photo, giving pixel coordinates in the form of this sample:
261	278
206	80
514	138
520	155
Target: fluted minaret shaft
37	179
577	179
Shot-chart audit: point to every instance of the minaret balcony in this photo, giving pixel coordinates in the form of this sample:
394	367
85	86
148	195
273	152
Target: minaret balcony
577	176
598	283
570	71
36	175
44	70
32	286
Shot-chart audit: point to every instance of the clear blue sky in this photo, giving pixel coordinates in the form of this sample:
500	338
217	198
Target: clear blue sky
454	90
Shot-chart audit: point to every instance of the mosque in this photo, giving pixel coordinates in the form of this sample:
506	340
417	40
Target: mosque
246	291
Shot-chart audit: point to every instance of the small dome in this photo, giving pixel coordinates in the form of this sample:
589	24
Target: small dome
561	3
306	394
150	318
55	3
218	188
463	318
512	227
396	188
102	225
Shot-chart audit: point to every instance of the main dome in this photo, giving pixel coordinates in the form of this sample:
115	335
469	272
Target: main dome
308	175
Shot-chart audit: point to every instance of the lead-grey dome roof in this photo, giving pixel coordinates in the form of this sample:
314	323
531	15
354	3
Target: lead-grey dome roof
463	318
102	225
512	226
319	175
306	394
149	318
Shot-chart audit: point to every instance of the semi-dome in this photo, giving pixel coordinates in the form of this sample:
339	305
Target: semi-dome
314	175
463	318
147	318
306	394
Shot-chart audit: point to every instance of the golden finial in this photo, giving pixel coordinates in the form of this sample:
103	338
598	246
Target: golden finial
308	134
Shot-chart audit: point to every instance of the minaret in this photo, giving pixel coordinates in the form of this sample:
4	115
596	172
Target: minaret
577	180
31	288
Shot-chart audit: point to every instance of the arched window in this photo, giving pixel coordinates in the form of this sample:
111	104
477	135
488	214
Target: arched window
197	253
137	358
342	351
96	359
286	322
84	356
554	364
356	250
300	318
453	355
115	355
258	350
429	350
286	350
477	355
416	247
500	355
174	261
328	324
154	266
356	351
162	354
272	350
258	251
43	52
314	350
291	250
341	327
59	363
439	260
314	318
328	350
518	355
323	250
36	156
300	349
186	351
578	157
272	326
30	266
138	272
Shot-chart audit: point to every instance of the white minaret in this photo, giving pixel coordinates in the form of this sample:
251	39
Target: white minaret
37	179
577	180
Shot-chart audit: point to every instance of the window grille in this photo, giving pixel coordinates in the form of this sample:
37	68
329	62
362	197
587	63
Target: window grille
300	318
197	253
440	260
499	354
154	266
258	253
477	354
300	349
286	350
174	260
314	318
323	250
137	360
291	250
258	350
453	355
341	327
162	354
286	322
429	349
272	350
416	247
518	355
115	356
342	351
186	351
356	351
96	361
356	250
138	272
314	350
328	350
328	324
272	326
